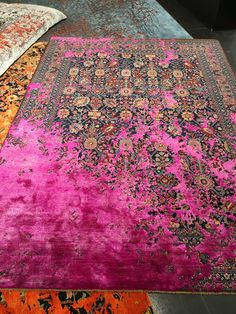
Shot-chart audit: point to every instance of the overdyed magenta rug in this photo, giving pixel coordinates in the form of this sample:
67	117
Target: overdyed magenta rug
118	171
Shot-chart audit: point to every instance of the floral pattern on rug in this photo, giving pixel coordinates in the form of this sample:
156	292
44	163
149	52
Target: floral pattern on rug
13	84
120	169
74	302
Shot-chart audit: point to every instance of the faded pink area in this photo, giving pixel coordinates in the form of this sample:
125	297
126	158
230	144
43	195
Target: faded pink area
68	229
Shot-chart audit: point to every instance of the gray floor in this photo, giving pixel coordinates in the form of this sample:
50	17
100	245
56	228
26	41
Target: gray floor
193	304
197	29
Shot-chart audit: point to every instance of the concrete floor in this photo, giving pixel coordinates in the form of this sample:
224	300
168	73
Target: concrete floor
197	29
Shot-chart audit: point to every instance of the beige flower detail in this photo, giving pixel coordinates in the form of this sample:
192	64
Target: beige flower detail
81	101
38	113
195	144
109	102
99	72
150	56
126	91
140	102
126	72
12	98
126	55
63	113
90	143
94	114
138	64
160	147
159	116
126	143
139	82
177	73
200	104
152	73
102	55
88	63
75	127
187	116
174	130
126	114
204	181
182	92
84	81
74	71
69	90
208	131
166	83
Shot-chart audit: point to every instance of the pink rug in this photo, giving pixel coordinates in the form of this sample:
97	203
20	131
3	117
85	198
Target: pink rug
118	171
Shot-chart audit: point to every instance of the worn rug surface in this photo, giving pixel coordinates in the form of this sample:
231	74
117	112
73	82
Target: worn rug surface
118	170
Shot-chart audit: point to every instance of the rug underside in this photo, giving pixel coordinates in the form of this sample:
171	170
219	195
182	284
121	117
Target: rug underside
118	170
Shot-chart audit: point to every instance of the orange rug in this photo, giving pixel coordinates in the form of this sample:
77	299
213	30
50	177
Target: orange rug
76	302
13	84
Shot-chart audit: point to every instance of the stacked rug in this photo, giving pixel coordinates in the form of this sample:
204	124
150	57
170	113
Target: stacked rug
118	170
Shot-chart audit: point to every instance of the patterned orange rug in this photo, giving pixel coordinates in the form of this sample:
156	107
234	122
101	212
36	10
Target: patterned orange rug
81	302
13	85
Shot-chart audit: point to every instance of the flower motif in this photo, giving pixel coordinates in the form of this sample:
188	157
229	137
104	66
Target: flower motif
195	144
95	103
99	72
108	128
81	101
208	131
188	116
74	71
63	113
84	81
69	90
168	180
88	63
94	114
126	72
177	73
126	55
37	113
126	114
138	64
75	127
166	83
90	143
160	147
159	116
140	102
152	73
109	102
204	181
150	56
12	98
139	82
102	55
126	91
182	92
113	63
126	144
200	104
173	130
